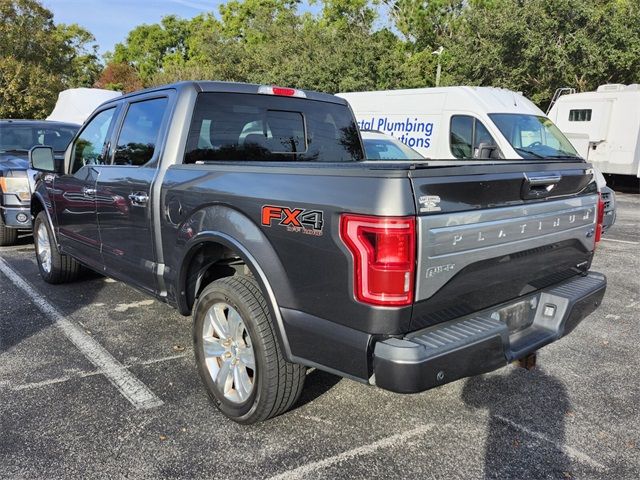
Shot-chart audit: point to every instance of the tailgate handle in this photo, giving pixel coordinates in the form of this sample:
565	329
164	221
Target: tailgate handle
539	186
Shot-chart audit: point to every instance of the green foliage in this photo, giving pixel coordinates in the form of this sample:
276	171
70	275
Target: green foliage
38	59
534	46
537	46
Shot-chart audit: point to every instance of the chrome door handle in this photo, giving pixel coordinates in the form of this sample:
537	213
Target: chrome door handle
89	192
139	199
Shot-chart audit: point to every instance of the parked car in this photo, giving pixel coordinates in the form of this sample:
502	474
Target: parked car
380	146
17	137
251	208
608	199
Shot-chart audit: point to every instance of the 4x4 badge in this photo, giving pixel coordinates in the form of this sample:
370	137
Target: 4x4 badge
297	220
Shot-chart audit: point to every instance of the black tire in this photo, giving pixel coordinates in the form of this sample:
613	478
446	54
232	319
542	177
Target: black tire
8	236
63	267
277	383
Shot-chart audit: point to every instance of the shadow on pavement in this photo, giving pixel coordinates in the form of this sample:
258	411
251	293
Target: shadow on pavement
527	412
317	384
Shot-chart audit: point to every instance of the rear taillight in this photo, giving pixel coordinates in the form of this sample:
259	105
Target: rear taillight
384	253
600	217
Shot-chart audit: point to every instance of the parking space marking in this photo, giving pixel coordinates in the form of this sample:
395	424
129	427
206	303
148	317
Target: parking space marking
619	241
391	441
81	374
136	392
567	450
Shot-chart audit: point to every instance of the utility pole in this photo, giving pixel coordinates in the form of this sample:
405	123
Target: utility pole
438	52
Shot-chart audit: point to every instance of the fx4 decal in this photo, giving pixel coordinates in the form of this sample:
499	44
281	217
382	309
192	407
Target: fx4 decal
297	220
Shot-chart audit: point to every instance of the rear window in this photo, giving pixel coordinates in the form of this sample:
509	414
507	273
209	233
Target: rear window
236	126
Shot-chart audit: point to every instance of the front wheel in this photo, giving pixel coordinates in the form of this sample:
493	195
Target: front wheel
54	266
238	355
8	236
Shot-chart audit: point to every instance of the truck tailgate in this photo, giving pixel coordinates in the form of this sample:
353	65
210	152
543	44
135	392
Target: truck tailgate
491	233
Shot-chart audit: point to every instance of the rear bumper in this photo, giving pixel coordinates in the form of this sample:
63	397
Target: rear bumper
481	343
16	217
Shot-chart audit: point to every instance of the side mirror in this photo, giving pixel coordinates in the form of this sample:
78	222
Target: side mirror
41	158
485	150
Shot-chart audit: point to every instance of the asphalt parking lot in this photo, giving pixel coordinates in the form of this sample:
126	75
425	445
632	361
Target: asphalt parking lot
98	381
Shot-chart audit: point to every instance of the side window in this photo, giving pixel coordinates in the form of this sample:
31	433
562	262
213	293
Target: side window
467	134
583	115
89	147
139	134
461	136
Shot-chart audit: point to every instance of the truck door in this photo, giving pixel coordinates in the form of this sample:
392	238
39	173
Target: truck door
74	194
124	193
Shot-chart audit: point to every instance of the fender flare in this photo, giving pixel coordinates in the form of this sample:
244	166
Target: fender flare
244	232
37	197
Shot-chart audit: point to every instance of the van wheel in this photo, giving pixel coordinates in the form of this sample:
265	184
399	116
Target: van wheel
54	266
8	236
238	355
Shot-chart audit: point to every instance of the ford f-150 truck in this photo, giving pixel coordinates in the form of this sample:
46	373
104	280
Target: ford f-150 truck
253	209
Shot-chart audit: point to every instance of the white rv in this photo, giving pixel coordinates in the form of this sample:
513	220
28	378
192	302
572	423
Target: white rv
462	122
604	126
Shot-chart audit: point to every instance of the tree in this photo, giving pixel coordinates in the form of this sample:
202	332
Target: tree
121	77
38	59
536	46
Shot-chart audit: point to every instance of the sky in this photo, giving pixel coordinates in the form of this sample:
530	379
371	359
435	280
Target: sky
111	20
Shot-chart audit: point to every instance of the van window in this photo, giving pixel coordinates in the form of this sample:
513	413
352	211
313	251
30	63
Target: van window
139	134
466	135
253	127
583	115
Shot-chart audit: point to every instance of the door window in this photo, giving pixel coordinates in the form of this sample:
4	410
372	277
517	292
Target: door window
89	147
139	134
467	134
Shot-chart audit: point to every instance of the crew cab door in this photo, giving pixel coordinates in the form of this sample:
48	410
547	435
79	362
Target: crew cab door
74	194
124	211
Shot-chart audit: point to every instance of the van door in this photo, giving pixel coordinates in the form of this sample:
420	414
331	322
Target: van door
124	193
74	194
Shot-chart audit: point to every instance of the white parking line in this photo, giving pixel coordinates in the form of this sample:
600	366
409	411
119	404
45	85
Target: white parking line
567	450
393	440
81	374
136	392
619	241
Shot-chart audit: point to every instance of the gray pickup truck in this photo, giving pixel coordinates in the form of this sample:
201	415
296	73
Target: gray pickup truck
252	208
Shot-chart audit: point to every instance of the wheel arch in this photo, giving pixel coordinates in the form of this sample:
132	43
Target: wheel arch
38	205
237	236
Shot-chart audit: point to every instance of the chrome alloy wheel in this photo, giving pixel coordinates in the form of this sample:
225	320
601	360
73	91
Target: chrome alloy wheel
228	352
44	247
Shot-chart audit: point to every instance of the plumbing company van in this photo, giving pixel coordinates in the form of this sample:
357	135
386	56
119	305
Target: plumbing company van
604	126
462	122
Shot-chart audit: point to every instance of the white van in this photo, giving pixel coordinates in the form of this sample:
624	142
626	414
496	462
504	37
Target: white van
461	122
604	126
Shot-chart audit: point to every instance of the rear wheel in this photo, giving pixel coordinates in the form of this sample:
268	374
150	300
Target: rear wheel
54	266
238	355
8	236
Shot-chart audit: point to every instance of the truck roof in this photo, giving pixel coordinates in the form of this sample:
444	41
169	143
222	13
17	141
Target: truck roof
226	87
